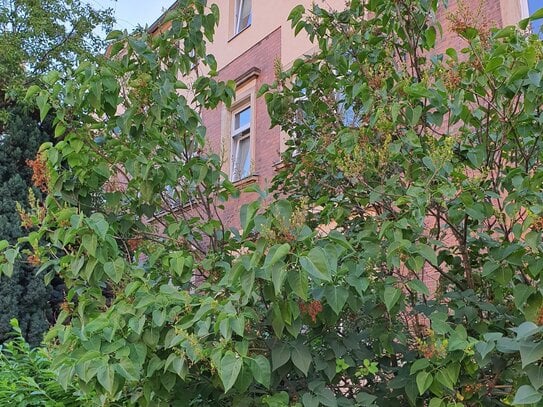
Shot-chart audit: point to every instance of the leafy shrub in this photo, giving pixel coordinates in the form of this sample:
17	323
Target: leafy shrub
26	376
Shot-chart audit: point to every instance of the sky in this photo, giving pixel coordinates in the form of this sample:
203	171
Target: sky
130	13
535	5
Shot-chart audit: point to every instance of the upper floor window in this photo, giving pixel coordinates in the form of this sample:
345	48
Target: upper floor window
243	15
241	143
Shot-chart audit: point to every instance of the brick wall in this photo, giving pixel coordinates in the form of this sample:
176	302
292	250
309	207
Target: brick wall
262	55
266	141
481	11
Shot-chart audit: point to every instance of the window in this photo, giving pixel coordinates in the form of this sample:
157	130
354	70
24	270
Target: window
241	143
242	15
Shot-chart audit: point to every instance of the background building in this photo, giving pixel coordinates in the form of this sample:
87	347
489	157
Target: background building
253	38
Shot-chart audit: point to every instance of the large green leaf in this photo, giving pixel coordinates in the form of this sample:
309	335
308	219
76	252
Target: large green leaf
336	297
115	269
280	355
229	369
391	297
276	253
448	376
106	377
301	357
260	368
526	394
278	275
427	252
316	265
424	381
535	375
530	352
299	283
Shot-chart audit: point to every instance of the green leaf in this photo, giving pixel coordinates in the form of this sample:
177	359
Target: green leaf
427	252
278	274
106	376
176	364
419	287
419	364
360	284
327	397
424	381
310	400
247	215
448	376
537	15
526	330
114	35
527	395
521	292
365	399
276	253
535	375
280	355
115	270
159	316
530	352
316	264
32	90
90	242
336	297
11	255
523	24
229	369
280	399
260	368
43	104
391	297
484	348
430	35
301	357
299	282
296	14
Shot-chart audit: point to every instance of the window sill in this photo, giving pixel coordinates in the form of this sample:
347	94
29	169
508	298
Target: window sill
239	33
176	207
279	165
240	183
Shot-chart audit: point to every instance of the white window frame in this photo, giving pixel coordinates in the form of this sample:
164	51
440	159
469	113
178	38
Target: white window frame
237	135
237	14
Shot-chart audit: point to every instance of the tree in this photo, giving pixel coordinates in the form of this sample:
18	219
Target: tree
416	166
24	296
35	37
429	165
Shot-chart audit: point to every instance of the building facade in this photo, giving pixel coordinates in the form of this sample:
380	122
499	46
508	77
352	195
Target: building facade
253	39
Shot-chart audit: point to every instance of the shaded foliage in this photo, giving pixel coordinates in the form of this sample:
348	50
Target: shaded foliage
24	296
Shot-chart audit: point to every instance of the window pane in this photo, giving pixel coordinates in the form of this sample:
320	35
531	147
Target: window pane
243	14
245	157
242	118
242	160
